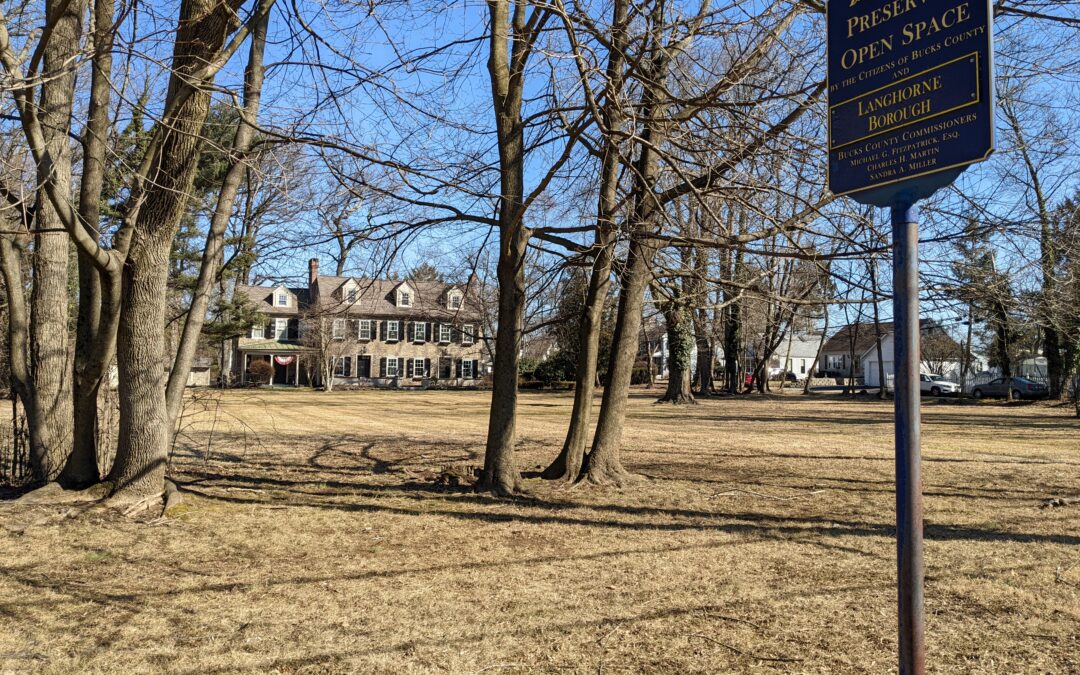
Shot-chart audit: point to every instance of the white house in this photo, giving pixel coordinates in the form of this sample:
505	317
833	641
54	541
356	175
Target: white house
950	368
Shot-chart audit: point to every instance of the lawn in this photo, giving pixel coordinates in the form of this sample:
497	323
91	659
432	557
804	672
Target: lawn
323	533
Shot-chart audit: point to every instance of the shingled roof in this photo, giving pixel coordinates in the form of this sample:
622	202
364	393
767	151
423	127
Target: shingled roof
377	297
263	298
864	336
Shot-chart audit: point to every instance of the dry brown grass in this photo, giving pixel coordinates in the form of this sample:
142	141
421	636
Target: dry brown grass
313	540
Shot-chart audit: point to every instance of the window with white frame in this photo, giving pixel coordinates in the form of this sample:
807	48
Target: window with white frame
837	362
363	332
392	328
281	328
282	299
453	301
419	330
418	368
352	295
258	331
391	366
404	298
467	369
444	333
343	367
338	331
467	334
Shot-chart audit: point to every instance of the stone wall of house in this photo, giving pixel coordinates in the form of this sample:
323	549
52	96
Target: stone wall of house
432	349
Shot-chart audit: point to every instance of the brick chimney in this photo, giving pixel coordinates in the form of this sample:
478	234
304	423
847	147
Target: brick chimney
313	271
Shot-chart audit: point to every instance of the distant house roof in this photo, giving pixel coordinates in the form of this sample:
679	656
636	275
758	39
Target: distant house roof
377	297
800	346
263	298
864	336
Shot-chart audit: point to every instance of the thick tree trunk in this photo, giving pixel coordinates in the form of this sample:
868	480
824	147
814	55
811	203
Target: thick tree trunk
603	465
139	470
215	236
501	475
680	331
99	291
52	421
567	466
704	365
508	54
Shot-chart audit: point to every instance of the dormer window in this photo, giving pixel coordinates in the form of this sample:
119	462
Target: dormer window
352	295
453	301
281	299
404	299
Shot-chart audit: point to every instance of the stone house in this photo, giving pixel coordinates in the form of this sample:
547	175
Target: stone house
381	332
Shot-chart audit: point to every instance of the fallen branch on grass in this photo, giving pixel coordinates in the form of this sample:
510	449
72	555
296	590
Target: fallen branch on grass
730	493
778	659
1060	501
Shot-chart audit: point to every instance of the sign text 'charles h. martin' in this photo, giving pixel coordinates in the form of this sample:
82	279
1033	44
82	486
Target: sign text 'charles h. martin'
909	89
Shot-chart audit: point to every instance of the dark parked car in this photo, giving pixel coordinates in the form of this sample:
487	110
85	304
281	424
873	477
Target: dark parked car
1021	388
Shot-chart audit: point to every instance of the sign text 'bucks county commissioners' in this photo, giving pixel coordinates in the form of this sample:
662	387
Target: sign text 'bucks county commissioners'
910	90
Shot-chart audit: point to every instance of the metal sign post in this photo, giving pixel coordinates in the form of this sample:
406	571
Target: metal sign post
911	105
909	512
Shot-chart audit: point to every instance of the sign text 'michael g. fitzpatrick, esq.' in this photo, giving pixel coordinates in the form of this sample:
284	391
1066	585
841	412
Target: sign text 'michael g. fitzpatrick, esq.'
909	89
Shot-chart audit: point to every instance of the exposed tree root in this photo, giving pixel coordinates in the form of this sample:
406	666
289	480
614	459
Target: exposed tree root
500	487
566	468
682	399
54	493
173	497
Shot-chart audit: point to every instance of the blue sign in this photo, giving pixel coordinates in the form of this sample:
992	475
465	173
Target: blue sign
911	99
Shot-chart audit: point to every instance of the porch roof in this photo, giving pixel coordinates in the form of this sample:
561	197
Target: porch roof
270	346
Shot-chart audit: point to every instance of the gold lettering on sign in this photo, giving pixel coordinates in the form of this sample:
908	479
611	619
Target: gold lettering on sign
911	33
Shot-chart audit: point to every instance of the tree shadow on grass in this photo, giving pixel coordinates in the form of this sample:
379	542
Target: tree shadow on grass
746	523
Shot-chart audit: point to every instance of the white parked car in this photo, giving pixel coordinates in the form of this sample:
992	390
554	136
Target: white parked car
936	385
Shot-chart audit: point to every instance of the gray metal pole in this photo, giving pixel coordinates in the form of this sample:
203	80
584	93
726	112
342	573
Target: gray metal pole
909	511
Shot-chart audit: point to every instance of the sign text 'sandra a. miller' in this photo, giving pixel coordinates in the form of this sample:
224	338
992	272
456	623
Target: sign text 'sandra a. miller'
910	91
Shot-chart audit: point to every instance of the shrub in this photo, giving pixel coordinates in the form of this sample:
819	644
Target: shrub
559	368
260	372
640	375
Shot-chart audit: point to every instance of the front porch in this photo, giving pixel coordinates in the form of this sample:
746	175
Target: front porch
284	359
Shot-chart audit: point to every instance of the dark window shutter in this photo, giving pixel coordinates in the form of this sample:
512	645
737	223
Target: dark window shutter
429	331
408	368
382	367
458	372
427	367
476	369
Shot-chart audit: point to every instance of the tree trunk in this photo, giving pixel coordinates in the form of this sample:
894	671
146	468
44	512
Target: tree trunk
215	236
99	291
501	475
52	422
508	54
882	394
1002	330
603	465
680	331
567	466
139	470
816	365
